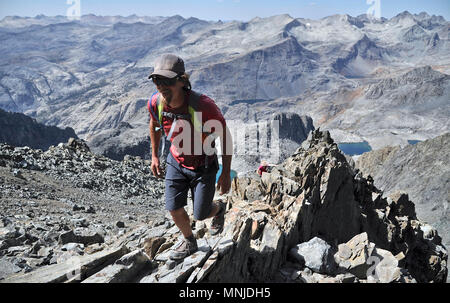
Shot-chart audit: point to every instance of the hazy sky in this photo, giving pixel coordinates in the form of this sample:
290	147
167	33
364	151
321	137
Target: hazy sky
243	10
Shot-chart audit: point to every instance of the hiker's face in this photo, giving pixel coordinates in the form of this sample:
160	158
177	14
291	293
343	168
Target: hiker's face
169	90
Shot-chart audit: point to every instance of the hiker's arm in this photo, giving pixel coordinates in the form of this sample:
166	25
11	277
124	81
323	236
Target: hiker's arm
227	150
226	144
155	137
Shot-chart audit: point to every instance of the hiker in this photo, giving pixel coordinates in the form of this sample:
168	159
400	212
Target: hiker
177	111
262	168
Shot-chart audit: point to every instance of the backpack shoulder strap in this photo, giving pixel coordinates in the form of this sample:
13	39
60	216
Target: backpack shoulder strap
160	108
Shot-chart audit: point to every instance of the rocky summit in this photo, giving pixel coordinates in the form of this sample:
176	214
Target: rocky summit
311	219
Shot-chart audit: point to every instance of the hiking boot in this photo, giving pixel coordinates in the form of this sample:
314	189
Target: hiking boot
218	221
183	249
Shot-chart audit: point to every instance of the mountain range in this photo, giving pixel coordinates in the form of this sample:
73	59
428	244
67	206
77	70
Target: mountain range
384	81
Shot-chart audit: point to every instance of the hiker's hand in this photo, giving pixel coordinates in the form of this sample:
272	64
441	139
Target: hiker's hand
156	168
224	183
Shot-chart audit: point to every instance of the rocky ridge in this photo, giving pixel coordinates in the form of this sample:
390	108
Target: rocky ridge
422	171
68	195
313	218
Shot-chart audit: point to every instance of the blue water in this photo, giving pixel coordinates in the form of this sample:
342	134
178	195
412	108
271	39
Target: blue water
358	148
413	142
352	149
233	174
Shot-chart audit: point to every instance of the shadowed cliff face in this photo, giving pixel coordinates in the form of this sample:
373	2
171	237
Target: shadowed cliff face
20	130
310	219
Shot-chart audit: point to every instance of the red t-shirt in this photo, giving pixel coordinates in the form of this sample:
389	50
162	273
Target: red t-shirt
262	169
209	111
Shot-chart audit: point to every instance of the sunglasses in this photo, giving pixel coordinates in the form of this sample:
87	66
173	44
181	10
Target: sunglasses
161	81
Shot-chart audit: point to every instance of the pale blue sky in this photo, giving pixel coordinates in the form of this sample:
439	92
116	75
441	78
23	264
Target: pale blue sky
223	9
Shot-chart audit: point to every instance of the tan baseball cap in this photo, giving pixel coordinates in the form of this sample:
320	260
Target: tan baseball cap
168	65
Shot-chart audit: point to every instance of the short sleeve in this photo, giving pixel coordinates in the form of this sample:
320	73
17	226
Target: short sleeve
151	106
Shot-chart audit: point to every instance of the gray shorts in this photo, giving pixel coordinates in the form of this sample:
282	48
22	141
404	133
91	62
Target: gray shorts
201	182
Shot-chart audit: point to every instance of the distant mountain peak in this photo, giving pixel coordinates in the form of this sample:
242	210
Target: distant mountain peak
281	17
364	49
292	24
176	17
423	19
364	44
343	19
422	15
286	16
415	32
405	14
404	17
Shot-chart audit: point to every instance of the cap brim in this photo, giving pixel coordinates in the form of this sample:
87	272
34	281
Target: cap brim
164	73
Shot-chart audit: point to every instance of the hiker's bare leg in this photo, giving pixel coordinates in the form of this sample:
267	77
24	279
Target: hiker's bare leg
181	219
214	210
